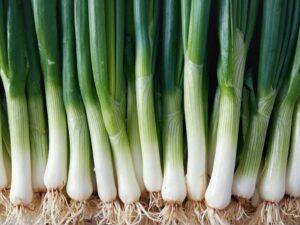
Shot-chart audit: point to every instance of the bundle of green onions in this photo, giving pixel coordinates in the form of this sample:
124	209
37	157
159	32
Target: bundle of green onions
105	113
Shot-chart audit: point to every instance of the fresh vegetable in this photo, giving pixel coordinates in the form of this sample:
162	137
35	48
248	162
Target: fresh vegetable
278	40
106	25
131	114
194	29
36	109
174	188
146	27
45	15
106	186
79	184
235	33
292	186
14	66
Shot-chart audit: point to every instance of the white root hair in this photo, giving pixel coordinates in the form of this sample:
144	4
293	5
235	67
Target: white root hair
53	208
267	213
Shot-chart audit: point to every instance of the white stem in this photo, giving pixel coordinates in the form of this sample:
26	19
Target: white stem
133	135
105	178
174	187
195	128
152	173
79	185
244	186
38	142
56	170
218	193
272	183
21	187
128	187
292	175
245	177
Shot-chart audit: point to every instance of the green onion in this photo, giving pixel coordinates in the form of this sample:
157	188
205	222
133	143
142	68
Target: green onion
132	116
36	110
6	142
79	185
145	23
277	44
272	182
14	66
44	13
4	178
174	187
235	33
106	25
106	186
292	186
195	37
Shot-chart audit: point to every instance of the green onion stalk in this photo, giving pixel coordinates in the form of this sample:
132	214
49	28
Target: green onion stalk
132	114
5	136
79	184
292	186
246	104
292	182
6	143
146	29
272	182
236	25
14	68
106	186
106	25
37	115
280	23
174	188
194	29
212	132
4	173
55	177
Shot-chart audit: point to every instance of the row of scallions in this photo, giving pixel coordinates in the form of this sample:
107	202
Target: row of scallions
106	26
79	185
194	20
173	187
55	177
236	25
105	179
14	66
280	24
146	31
272	183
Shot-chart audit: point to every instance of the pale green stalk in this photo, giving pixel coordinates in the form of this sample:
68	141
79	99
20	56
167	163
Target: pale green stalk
14	67
37	115
145	22
132	115
79	184
106	25
174	187
277	45
272	183
106	186
235	33
194	95
45	19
